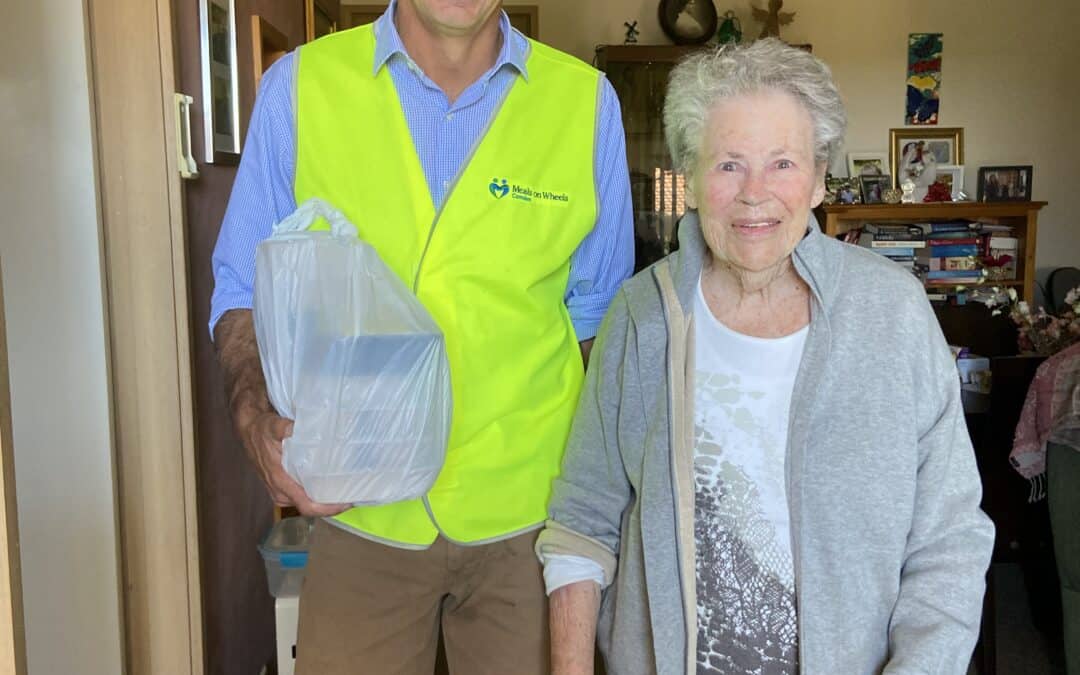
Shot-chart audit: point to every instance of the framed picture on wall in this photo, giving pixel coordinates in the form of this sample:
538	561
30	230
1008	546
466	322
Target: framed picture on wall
1004	184
221	107
915	153
526	18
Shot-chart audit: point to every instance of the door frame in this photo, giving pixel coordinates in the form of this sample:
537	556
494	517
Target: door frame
140	198
12	620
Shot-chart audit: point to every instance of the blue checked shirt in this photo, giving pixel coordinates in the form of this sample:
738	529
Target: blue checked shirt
443	134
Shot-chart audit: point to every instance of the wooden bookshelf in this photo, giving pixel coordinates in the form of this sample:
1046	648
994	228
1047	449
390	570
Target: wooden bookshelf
1021	216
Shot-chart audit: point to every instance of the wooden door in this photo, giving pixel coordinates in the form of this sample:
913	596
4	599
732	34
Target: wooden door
235	511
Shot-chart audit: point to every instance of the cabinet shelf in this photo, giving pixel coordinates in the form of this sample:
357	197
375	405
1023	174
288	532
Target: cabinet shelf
837	219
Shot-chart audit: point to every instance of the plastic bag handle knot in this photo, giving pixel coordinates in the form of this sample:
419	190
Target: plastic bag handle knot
307	213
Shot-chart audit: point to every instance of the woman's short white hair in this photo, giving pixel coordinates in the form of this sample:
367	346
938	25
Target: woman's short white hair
706	78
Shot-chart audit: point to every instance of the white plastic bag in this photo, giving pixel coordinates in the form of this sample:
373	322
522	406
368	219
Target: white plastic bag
351	356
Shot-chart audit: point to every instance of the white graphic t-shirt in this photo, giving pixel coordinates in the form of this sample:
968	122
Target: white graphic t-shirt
745	578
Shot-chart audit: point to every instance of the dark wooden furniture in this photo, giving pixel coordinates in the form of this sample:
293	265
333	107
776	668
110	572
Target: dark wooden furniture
639	74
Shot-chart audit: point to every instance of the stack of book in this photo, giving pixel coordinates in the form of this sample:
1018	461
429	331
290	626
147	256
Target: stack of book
952	253
898	242
944	255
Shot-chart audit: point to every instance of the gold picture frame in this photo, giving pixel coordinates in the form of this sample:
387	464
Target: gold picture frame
946	144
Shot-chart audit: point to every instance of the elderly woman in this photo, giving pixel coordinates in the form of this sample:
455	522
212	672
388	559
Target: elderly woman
769	470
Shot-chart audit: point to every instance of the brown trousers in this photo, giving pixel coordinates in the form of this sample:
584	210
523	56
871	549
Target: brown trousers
367	608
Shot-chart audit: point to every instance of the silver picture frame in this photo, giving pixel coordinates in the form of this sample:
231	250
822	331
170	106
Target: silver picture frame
220	81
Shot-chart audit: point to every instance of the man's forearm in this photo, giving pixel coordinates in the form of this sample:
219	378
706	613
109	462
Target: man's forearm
573	610
238	352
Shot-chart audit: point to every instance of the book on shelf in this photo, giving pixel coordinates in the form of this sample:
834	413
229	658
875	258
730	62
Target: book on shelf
951	264
894	253
870	240
898	236
892	227
954	281
952	241
947	226
913	243
954	250
951	237
951	274
984	226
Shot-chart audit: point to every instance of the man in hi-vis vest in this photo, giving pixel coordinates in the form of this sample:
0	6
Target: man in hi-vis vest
489	172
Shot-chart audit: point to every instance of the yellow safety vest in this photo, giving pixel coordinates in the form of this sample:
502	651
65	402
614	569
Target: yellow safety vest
491	267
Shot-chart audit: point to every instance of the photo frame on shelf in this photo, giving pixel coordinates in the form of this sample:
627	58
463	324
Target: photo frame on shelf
844	190
914	153
951	175
868	164
1004	183
220	82
874	187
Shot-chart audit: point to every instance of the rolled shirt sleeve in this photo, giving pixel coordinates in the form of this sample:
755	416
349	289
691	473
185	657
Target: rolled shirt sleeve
563	570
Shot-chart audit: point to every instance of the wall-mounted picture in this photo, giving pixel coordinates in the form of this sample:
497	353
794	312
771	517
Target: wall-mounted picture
867	164
221	107
952	177
1004	184
924	78
844	190
914	154
874	187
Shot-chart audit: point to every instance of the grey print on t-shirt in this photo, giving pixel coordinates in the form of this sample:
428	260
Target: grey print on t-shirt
745	590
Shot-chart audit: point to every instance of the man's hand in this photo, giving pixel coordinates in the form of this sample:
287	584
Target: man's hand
262	438
260	429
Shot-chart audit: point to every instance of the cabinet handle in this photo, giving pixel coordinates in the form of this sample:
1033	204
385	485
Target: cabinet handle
186	161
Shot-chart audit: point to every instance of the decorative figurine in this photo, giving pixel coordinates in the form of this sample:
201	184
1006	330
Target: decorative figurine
631	33
773	18
907	188
938	192
729	32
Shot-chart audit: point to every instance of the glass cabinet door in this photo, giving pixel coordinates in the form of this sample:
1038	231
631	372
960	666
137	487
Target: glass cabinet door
639	76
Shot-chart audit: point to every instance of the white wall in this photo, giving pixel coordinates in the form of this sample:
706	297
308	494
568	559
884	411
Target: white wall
1010	78
50	249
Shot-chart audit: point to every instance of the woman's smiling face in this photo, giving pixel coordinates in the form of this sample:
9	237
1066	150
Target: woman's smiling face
756	180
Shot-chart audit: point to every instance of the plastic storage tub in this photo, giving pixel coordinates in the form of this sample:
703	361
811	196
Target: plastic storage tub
285	552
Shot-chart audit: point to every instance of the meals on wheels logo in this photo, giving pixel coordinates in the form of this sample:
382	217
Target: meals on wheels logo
500	187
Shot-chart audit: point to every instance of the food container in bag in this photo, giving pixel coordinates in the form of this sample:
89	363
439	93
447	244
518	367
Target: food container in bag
285	553
354	359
